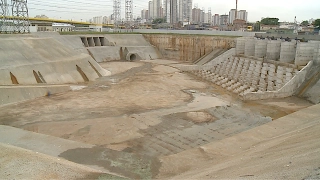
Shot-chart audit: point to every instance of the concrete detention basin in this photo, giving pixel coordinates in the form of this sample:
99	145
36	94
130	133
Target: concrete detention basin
153	118
141	116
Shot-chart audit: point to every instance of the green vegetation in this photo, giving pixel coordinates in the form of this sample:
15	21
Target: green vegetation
159	21
317	23
270	21
304	23
256	26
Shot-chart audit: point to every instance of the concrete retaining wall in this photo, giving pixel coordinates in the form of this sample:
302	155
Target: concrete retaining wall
188	48
105	53
249	48
196	32
304	53
273	50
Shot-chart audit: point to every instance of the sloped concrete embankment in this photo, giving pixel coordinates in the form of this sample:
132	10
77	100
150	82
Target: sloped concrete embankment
115	47
31	66
22	149
44	60
287	148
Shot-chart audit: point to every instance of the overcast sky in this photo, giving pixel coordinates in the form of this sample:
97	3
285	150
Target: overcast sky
285	10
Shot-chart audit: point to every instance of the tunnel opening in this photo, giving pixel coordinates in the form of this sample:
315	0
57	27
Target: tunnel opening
132	57
83	75
36	76
13	79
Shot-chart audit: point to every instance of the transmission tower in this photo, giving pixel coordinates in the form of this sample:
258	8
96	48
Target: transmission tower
129	11
116	12
20	16
4	14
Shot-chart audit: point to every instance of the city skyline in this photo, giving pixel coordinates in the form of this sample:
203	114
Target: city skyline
285	10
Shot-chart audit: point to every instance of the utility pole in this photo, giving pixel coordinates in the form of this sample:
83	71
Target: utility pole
20	16
236	10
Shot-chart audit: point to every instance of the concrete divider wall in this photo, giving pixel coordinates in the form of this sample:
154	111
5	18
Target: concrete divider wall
22	59
188	48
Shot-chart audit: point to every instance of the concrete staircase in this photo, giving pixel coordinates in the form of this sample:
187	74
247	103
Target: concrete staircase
242	75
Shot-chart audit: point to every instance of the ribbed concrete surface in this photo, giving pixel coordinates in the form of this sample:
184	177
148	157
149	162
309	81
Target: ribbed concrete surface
288	148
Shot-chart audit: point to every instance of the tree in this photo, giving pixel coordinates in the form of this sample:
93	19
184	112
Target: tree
270	21
256	26
304	23
316	23
159	21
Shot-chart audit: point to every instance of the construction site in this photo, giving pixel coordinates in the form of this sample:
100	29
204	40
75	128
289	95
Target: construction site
158	106
222	105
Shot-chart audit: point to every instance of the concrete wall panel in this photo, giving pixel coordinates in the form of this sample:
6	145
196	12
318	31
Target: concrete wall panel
304	53
288	52
273	50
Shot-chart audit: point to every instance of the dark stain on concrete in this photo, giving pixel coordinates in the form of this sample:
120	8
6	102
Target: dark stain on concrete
135	166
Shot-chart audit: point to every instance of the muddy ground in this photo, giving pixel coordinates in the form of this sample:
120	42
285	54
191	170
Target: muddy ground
144	111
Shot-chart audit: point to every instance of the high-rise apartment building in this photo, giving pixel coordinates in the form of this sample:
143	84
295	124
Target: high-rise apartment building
151	10
232	16
224	19
172	11
155	9
185	10
145	14
242	14
216	20
97	20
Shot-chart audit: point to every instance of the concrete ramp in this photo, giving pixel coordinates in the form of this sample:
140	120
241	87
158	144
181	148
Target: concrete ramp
215	53
127	40
44	60
105	53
